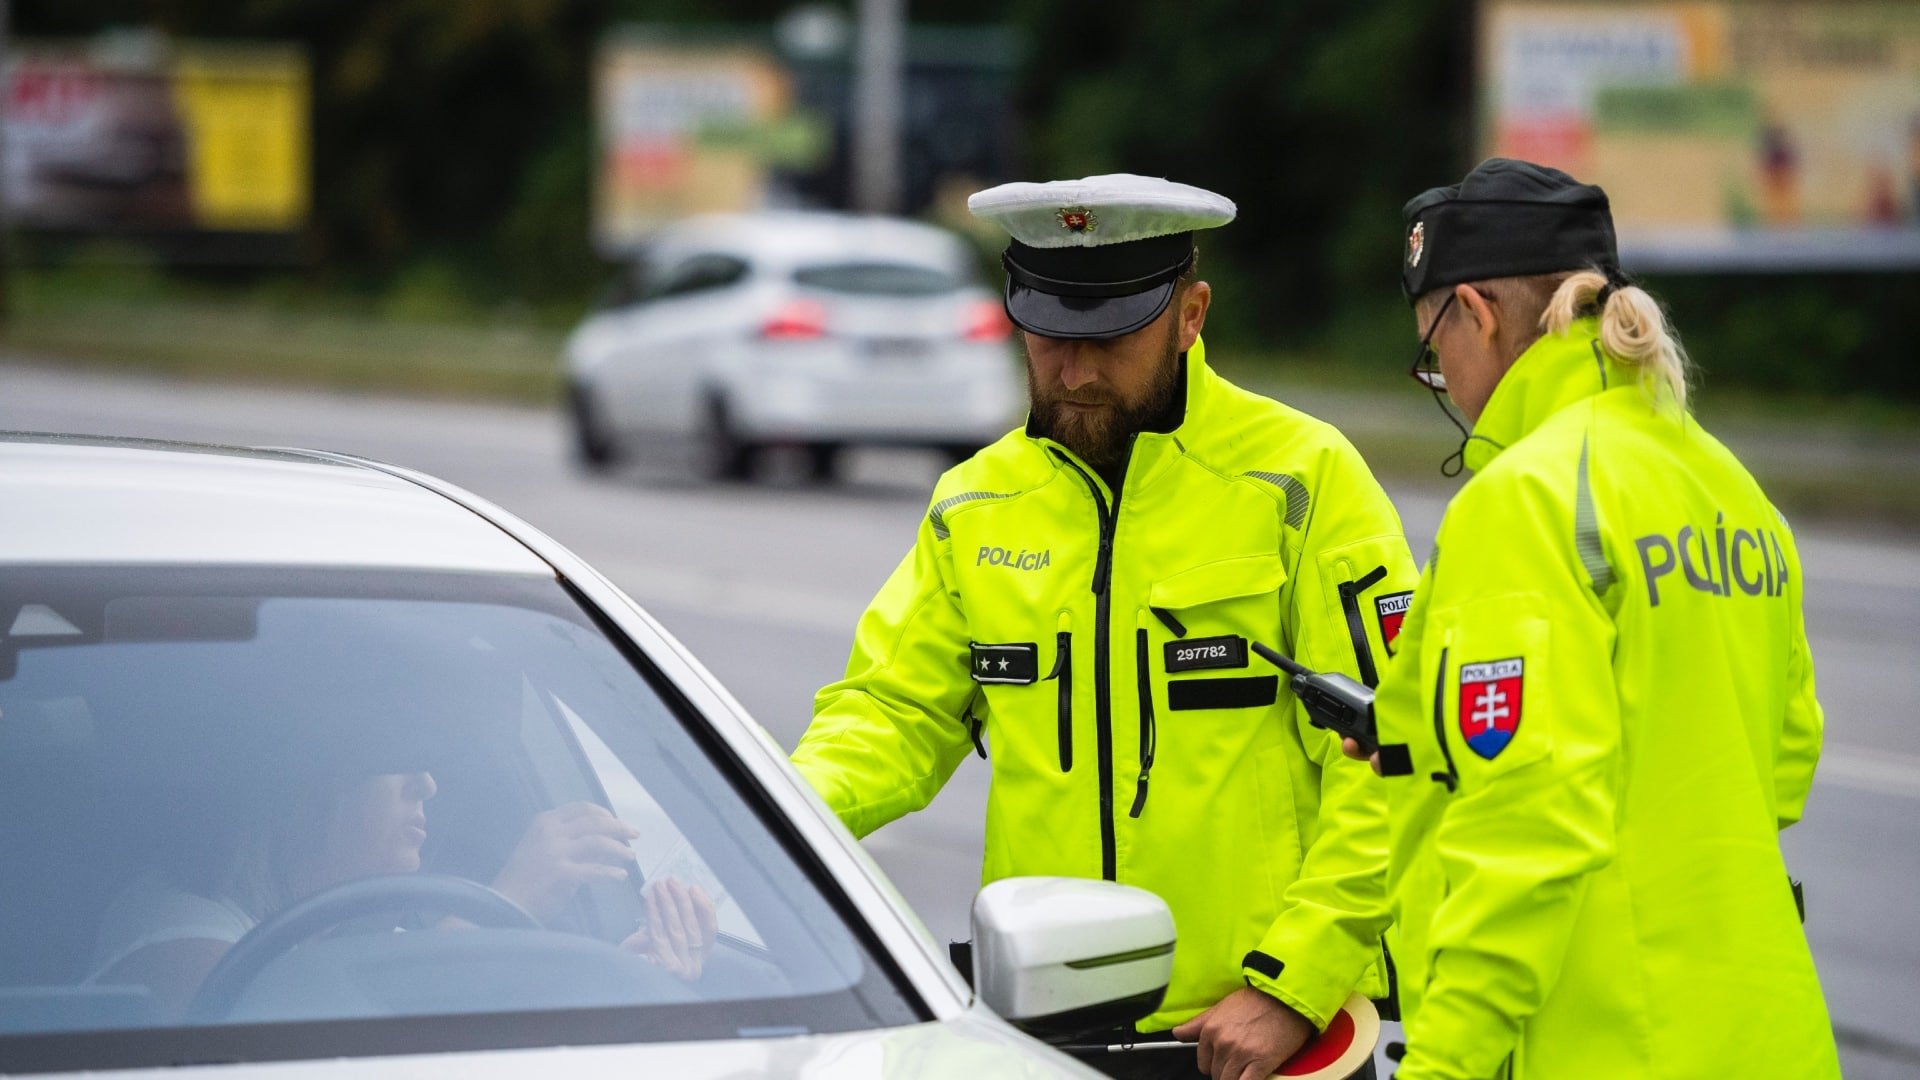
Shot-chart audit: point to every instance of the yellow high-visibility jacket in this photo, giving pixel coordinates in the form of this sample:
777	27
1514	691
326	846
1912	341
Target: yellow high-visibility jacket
1607	705
1098	642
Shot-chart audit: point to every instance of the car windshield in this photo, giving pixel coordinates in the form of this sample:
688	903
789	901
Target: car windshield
266	814
878	279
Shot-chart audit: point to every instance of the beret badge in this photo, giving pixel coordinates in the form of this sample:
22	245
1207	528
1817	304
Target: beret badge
1416	243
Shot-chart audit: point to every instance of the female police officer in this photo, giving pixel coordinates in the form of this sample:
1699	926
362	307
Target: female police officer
1602	708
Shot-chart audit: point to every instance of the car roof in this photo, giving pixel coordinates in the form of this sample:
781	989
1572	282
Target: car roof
80	500
796	236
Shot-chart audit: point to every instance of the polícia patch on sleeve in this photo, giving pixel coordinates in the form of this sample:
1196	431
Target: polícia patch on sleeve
1490	698
1392	610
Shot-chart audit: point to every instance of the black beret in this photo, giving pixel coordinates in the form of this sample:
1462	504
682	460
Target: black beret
1505	219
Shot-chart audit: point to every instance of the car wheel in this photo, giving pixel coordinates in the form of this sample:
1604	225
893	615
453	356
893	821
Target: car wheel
823	462
721	453
593	443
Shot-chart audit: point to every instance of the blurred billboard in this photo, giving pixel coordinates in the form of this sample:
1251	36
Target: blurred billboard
692	119
156	140
687	129
1730	134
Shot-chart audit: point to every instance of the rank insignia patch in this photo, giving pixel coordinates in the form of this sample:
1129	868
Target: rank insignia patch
1017	664
1392	609
1490	704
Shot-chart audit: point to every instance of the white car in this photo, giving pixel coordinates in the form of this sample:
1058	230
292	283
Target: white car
283	735
732	333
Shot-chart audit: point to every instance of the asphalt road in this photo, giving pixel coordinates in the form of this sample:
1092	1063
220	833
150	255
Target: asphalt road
765	583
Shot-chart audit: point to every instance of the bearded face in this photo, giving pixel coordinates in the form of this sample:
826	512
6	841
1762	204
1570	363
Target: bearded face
1093	397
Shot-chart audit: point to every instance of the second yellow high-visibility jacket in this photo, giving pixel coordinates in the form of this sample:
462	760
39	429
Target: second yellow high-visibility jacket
1097	640
1601	716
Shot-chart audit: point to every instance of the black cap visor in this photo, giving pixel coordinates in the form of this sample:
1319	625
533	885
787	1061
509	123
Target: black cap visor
1084	317
1101	292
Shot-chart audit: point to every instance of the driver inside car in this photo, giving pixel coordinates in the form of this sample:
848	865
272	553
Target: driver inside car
168	928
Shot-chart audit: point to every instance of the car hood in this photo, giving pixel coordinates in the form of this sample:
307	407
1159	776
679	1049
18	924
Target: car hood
967	1048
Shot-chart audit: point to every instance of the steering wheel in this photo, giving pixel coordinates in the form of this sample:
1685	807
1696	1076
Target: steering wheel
393	893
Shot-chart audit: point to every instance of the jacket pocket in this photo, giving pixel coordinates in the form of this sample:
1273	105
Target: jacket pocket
1225	579
1212	613
1488	650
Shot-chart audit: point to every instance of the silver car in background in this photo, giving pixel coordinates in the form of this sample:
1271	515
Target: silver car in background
733	333
273	722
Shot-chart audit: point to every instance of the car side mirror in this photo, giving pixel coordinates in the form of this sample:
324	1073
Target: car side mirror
1061	956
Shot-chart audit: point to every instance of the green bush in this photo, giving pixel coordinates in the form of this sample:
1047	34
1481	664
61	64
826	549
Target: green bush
1836	335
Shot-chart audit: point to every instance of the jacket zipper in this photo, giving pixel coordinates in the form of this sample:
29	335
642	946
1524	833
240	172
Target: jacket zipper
1063	671
1451	777
1149	734
1356	625
1102	665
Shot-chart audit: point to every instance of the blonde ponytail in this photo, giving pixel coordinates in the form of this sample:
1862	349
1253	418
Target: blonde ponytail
1633	329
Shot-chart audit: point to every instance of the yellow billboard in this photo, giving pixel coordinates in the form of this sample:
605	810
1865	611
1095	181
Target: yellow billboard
247	112
1728	133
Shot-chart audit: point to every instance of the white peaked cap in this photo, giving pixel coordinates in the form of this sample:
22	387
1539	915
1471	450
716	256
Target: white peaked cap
1099	210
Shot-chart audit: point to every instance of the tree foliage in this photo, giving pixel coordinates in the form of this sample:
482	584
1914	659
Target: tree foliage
461	129
1319	118
453	143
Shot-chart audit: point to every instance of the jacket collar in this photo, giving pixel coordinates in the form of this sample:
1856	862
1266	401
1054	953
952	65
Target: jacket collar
1555	372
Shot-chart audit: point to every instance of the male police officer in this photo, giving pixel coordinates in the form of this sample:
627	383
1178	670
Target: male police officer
1082	595
1603	709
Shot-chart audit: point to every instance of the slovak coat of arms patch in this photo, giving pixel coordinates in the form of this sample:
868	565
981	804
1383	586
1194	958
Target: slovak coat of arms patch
1392	610
1490	697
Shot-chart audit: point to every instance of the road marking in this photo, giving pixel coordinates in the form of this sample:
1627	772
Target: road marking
1859	768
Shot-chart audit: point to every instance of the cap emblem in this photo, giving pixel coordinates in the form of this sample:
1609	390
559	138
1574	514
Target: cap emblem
1077	219
1416	243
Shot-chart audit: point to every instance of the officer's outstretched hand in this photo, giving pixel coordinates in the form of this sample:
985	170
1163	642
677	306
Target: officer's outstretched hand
1352	750
1247	1036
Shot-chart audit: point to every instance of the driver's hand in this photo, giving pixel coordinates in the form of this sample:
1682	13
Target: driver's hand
681	927
563	849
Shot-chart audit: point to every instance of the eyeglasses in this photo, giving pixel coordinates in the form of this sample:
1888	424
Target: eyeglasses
1426	362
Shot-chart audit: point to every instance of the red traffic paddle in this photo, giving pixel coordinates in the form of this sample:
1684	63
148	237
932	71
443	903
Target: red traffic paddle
1344	1046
